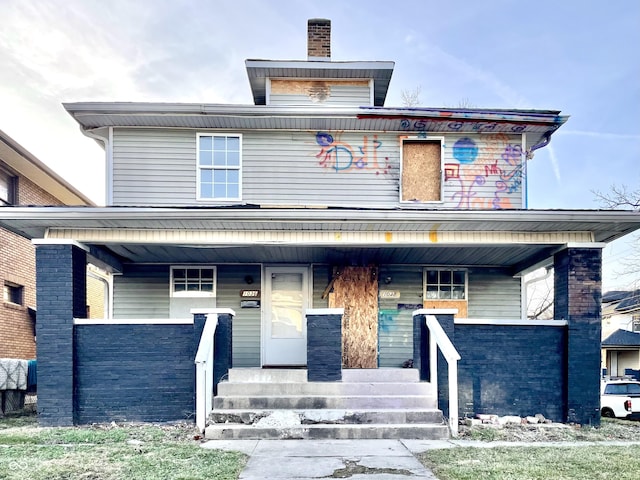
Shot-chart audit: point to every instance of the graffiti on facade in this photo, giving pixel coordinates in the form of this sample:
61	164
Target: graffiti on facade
444	125
496	166
341	156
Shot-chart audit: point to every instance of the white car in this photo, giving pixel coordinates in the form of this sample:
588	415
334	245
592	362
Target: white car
620	399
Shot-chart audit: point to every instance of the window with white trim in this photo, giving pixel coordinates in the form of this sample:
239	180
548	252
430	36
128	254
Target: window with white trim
189	281
421	170
219	166
445	284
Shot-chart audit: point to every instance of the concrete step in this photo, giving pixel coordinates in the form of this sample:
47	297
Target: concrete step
324	388
288	375
323	431
334	416
304	402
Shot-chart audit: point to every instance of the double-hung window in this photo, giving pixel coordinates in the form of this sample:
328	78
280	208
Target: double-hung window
219	167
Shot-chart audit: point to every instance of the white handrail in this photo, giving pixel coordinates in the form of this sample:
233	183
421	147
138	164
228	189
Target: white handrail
204	371
441	340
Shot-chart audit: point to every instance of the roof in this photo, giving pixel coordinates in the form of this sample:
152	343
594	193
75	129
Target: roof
259	70
537	124
515	239
27	165
603	225
622	338
620	302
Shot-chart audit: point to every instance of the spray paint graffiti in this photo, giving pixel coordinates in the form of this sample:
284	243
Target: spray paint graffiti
341	156
496	163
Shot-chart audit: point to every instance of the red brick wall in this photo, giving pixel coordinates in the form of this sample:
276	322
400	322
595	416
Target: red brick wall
18	266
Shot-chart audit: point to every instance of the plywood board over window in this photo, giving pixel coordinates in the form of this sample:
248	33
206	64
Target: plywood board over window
421	171
356	290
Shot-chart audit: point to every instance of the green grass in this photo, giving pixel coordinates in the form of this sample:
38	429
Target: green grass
534	463
107	452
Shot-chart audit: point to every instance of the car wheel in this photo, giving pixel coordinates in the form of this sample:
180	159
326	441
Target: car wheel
607	412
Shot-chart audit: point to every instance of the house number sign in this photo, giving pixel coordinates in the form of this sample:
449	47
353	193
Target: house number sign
250	293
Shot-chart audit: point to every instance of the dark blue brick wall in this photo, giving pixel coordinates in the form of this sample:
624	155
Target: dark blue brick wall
324	348
512	370
134	372
61	296
578	297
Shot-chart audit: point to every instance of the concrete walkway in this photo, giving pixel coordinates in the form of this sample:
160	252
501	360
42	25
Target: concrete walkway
313	459
353	459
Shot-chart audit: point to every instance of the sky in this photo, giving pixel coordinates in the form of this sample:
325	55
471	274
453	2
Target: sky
578	56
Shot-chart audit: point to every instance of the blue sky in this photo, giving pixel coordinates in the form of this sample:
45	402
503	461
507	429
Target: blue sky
577	56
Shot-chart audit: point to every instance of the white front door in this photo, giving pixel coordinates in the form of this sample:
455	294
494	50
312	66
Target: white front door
284	323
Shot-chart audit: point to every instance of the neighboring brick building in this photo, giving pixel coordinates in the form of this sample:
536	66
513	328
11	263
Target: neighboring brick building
24	180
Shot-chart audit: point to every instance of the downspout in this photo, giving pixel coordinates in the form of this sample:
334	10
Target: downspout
108	149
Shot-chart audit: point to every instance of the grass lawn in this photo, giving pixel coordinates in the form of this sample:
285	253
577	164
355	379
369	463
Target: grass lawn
588	462
109	452
533	463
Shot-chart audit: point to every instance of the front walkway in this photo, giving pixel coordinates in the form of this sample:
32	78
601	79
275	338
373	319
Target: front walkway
313	459
354	459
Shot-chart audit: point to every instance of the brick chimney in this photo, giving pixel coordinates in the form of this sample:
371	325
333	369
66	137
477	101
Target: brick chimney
319	39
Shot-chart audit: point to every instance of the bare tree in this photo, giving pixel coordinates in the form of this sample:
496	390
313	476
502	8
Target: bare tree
624	197
619	196
411	98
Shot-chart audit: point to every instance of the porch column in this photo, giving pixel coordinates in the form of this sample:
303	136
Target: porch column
324	344
578	299
61	290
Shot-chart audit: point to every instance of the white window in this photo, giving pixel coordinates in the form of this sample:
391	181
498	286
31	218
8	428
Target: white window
191	281
219	166
445	284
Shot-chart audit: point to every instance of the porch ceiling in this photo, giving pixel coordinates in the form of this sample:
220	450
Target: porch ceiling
500	256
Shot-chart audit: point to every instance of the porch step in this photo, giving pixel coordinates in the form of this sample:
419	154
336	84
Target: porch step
280	403
427	431
351	375
334	416
230	389
302	401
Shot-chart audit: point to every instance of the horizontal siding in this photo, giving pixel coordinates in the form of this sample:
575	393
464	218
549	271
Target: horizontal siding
246	323
158	167
395	325
142	292
483	171
340	96
321	278
494	294
152	166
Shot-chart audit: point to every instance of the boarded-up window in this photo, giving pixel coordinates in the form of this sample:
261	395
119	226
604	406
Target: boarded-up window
421	162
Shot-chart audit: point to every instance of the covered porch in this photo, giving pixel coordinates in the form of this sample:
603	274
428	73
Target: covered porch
399	250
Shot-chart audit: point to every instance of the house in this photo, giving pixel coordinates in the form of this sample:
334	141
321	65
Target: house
323	231
621	333
24	180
